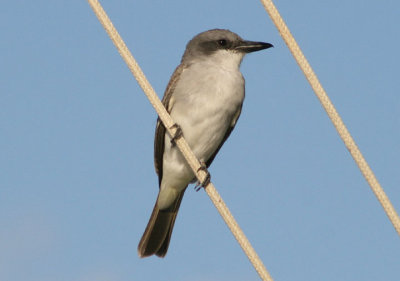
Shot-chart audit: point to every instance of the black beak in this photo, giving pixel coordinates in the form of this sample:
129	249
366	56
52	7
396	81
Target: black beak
250	46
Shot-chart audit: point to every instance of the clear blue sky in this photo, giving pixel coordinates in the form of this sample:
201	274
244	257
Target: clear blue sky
77	181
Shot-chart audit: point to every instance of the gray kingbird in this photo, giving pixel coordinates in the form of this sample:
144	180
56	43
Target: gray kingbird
204	97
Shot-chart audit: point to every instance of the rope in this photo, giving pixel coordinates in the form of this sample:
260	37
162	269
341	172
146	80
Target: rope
181	143
332	113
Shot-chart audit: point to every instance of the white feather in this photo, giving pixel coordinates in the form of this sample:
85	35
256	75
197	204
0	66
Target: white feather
206	100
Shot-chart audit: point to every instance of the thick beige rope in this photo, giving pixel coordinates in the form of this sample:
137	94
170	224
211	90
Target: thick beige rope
182	144
332	113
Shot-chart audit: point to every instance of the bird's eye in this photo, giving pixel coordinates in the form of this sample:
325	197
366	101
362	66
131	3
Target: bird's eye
222	42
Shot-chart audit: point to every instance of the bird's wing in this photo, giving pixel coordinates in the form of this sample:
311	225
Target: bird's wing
159	138
227	134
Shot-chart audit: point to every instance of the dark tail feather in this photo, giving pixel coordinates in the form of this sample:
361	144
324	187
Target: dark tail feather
156	237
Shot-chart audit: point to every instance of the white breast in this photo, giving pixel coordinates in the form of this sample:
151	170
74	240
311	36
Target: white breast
206	98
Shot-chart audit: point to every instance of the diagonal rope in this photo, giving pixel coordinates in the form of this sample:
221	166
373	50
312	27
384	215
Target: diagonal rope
181	143
332	113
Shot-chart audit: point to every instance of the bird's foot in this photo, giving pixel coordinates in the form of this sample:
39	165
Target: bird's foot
206	180
178	134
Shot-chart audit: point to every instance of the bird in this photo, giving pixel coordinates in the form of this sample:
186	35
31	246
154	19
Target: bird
204	98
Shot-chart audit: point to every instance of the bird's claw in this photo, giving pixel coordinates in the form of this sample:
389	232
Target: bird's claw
206	180
178	134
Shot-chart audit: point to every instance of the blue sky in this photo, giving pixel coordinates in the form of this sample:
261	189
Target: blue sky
77	180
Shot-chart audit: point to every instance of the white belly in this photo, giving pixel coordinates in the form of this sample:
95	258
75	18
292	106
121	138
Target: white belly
204	109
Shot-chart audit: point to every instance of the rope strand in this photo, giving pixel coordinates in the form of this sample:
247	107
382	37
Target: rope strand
332	113
181	143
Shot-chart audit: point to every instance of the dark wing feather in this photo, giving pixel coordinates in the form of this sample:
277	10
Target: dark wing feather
160	129
227	134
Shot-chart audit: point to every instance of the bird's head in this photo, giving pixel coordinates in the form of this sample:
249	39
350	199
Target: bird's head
220	45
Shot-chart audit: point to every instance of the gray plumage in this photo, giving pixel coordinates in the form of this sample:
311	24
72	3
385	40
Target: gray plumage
204	97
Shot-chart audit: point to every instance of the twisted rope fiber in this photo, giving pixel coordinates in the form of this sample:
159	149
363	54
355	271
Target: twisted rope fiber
332	113
181	143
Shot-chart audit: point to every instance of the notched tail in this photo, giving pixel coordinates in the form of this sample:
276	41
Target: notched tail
157	235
